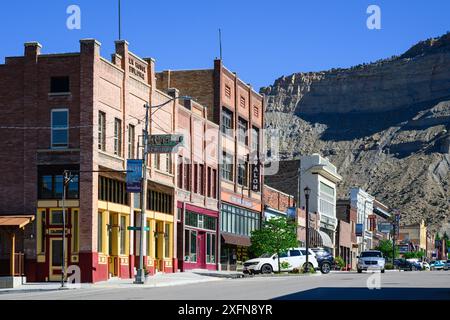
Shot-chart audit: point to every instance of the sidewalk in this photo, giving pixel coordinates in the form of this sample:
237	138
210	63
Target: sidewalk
218	274
158	280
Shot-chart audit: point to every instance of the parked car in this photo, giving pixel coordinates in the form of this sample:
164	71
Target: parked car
325	259
403	264
437	265
447	265
425	266
371	260
268	263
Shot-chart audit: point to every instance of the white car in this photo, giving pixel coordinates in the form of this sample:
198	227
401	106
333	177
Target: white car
371	260
293	258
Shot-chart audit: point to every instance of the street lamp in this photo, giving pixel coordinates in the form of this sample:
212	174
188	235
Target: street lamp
140	272
307	193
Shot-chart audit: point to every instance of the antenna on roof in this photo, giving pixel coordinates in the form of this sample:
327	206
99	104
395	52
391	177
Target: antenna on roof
220	43
120	22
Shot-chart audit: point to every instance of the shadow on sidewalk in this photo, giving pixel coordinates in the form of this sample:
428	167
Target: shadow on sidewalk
370	294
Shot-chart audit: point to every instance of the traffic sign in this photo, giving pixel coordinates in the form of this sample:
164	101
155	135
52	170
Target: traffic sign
164	143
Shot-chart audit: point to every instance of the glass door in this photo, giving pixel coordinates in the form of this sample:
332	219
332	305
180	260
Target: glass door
56	246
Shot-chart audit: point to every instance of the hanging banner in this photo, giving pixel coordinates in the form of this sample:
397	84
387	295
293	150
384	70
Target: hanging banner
359	229
134	175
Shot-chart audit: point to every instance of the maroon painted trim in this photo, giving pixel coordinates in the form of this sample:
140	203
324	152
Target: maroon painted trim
204	211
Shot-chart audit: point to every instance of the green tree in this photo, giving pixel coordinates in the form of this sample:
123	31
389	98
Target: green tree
437	237
414	255
276	236
385	246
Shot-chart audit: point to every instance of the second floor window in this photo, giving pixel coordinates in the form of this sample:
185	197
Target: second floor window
227	121
101	131
60	128
118	137
227	167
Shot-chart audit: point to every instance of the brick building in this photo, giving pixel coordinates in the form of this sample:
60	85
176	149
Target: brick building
197	192
81	112
238	110
346	242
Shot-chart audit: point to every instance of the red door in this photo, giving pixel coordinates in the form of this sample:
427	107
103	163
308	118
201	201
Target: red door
201	250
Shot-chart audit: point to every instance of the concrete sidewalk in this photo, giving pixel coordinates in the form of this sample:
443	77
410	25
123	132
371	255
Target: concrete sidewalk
158	280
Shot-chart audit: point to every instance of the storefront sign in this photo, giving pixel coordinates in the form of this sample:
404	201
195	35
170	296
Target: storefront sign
385	227
134	175
256	177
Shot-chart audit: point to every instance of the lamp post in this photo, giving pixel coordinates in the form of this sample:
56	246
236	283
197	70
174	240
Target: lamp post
140	275
307	193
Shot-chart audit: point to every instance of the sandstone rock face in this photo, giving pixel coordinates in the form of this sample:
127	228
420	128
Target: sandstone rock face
385	125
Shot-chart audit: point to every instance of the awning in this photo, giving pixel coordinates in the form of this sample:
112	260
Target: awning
326	239
236	240
15	221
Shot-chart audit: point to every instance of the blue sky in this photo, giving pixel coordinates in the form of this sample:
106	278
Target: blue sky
262	40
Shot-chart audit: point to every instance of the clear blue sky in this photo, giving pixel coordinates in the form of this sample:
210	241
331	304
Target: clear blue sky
262	40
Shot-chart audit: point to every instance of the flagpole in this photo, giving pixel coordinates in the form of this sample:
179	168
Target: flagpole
120	22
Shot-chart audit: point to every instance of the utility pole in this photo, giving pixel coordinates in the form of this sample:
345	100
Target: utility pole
140	272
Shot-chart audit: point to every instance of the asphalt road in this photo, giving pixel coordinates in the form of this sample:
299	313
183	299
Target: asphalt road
341	286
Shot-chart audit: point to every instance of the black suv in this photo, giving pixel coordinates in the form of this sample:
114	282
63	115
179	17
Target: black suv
403	264
324	259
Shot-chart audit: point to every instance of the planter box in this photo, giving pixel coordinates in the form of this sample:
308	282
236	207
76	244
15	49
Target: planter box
12	282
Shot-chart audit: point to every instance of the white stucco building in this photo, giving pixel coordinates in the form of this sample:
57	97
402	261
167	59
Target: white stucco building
321	176
363	203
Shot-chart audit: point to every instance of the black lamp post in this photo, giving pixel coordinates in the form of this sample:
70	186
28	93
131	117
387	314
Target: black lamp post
307	193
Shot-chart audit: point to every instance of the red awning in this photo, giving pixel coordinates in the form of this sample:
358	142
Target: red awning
236	240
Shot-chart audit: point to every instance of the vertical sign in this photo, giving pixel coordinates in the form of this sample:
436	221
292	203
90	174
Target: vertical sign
134	175
256	177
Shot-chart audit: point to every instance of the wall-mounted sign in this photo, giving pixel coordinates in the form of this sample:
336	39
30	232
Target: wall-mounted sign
359	229
134	175
164	143
256	177
385	227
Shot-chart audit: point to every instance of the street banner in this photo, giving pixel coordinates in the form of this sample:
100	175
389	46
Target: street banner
164	143
134	175
359	229
291	213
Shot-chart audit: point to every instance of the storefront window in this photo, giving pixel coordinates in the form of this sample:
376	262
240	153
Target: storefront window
166	241
123	229
193	253
238	220
210	248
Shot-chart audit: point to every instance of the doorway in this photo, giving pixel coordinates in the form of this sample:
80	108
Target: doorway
56	251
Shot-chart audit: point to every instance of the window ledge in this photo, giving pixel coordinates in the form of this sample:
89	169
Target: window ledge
59	94
106	154
58	150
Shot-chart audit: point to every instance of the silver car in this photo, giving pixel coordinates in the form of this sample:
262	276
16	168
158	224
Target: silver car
371	260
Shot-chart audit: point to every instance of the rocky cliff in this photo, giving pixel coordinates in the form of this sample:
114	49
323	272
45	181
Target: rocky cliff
385	125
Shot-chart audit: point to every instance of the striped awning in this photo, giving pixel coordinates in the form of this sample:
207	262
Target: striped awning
326	239
19	221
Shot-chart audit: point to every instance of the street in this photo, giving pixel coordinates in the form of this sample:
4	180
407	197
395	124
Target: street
341	286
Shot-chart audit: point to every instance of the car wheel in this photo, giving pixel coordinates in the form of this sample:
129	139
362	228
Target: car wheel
266	269
325	268
382	270
359	271
310	267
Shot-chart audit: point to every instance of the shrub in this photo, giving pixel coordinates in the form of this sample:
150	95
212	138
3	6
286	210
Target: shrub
389	266
285	265
339	262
